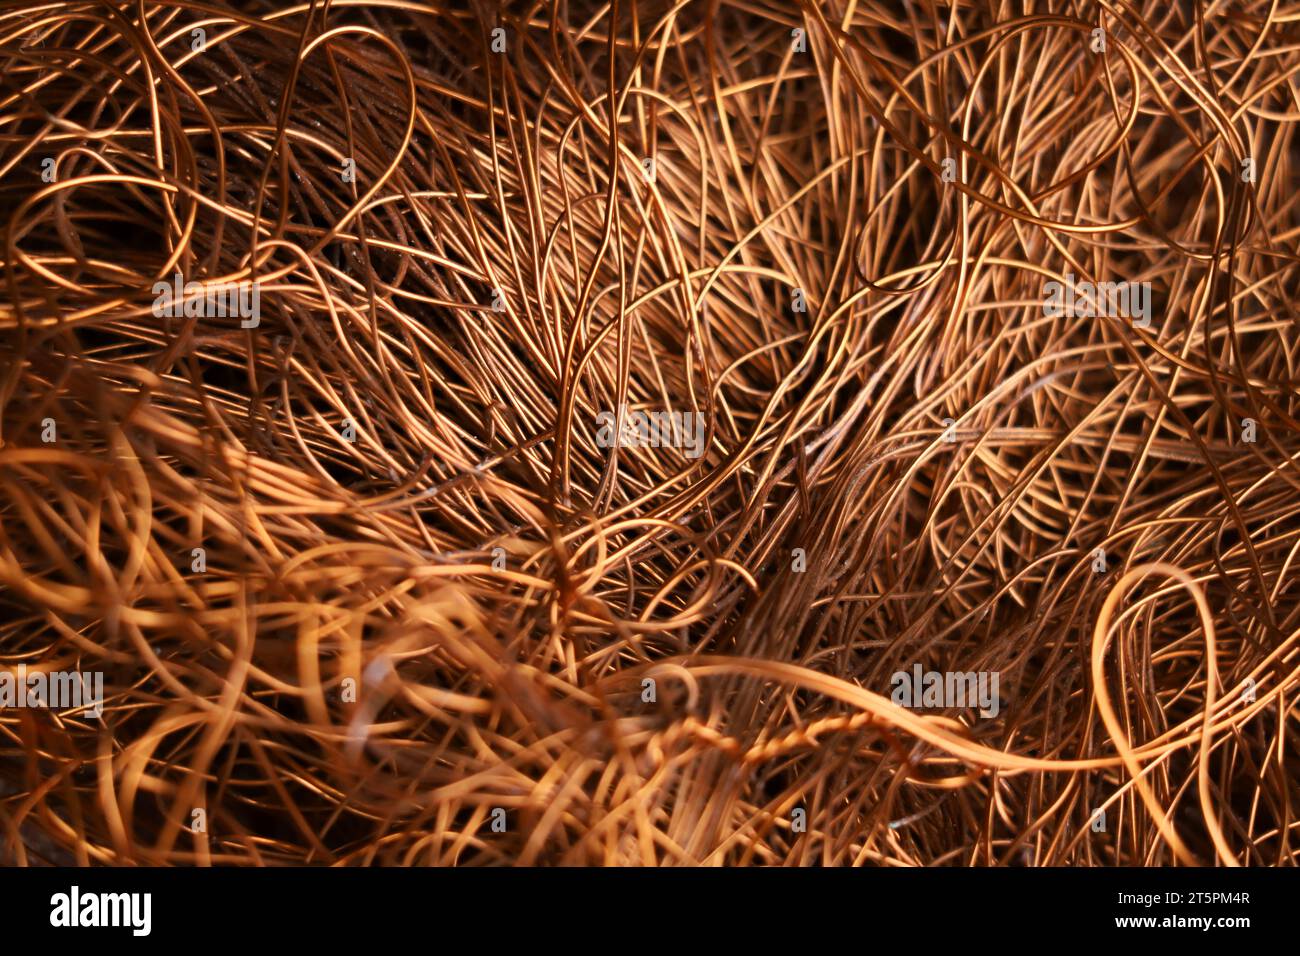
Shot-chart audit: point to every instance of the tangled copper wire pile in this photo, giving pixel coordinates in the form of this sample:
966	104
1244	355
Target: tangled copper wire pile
367	587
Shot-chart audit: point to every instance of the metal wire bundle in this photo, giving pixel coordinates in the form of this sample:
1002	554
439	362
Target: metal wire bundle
368	586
